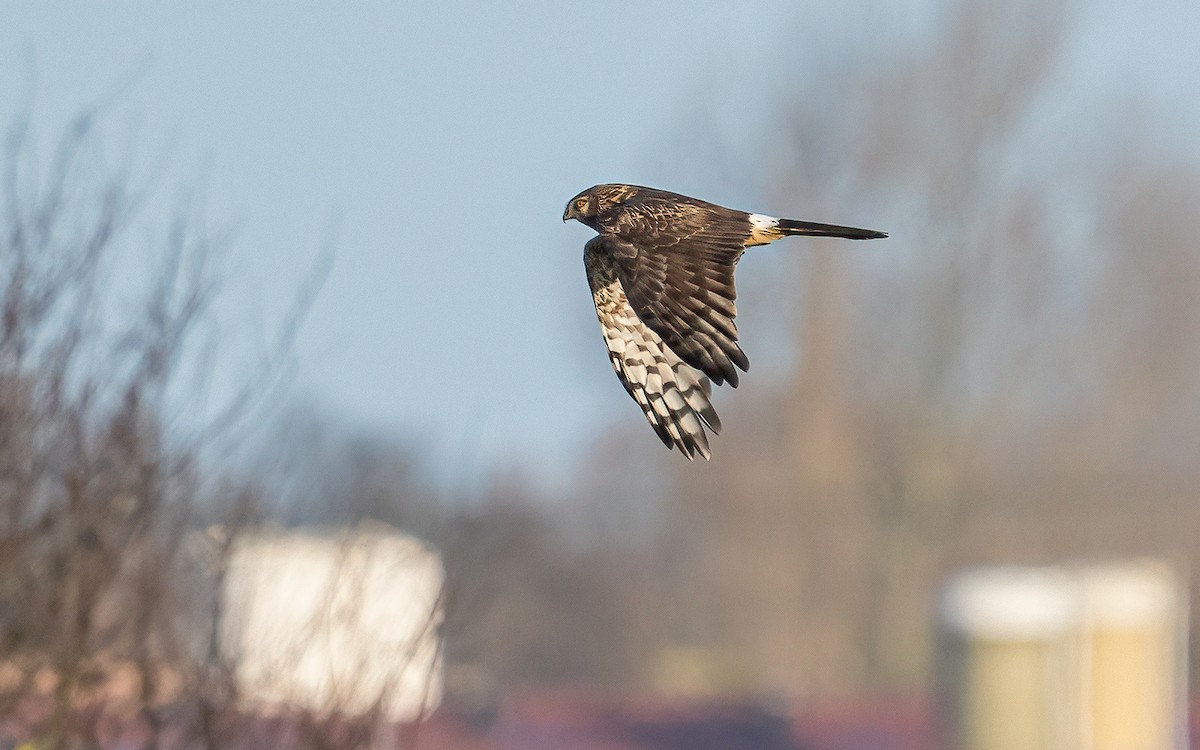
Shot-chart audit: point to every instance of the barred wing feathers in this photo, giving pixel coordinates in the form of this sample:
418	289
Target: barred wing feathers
676	262
674	397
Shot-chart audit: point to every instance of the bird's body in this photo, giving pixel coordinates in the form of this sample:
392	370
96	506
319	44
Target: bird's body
661	274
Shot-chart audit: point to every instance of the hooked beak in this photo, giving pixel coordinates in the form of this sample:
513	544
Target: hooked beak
568	212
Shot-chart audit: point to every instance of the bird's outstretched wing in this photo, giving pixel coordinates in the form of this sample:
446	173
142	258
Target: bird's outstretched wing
674	396
676	262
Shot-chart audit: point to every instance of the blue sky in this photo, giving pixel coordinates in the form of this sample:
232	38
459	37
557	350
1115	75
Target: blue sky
439	143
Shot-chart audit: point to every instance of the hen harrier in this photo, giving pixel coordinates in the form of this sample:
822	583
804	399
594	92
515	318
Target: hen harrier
661	273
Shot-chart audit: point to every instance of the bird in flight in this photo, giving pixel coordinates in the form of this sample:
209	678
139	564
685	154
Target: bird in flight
661	274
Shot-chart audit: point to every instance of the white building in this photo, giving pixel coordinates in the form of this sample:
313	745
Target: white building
342	621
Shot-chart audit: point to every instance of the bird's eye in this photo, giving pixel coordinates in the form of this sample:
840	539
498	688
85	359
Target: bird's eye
581	203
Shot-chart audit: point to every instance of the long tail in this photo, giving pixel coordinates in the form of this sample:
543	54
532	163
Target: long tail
813	229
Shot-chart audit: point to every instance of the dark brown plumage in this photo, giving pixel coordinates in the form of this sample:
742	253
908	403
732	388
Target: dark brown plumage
661	274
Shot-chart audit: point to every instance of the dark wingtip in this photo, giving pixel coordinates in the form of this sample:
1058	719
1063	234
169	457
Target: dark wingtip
711	419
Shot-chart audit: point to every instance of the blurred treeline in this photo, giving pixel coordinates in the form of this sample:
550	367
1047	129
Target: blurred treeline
1014	376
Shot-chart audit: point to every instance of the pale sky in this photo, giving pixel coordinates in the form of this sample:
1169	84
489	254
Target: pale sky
442	141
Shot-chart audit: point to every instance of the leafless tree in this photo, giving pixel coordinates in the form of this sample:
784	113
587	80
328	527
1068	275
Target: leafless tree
100	486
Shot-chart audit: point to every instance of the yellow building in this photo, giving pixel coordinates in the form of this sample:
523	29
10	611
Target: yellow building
1064	658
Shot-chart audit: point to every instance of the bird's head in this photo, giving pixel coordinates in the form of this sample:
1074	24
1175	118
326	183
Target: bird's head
580	207
595	201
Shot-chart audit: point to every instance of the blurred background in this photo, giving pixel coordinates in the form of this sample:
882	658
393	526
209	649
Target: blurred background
287	316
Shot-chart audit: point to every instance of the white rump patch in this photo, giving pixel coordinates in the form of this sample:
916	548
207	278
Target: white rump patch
762	222
763	230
